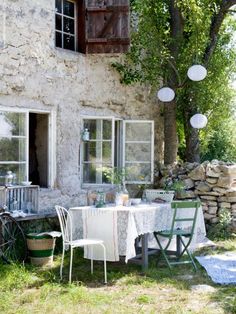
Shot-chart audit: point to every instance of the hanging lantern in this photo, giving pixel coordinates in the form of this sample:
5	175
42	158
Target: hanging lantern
166	94
85	135
197	72
198	121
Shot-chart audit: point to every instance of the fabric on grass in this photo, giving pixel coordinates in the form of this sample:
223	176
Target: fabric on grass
221	267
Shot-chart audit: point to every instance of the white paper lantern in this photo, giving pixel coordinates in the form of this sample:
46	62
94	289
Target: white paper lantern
197	72
198	121
166	94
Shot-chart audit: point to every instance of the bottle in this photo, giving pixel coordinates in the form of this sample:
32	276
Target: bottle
125	196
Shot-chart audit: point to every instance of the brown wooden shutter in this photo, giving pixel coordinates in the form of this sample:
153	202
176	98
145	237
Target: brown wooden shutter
106	26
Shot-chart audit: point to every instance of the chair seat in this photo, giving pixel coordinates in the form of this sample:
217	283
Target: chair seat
84	242
167	233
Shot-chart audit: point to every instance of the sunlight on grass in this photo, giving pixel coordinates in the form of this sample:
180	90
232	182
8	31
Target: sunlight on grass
38	290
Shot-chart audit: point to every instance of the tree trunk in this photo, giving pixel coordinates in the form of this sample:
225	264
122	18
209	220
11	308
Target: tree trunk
170	129
170	133
192	152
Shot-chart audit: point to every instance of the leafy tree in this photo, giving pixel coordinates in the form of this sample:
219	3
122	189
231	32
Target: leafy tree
169	37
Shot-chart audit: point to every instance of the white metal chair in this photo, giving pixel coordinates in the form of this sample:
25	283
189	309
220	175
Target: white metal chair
66	229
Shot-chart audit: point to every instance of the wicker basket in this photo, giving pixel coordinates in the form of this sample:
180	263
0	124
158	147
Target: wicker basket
167	196
41	248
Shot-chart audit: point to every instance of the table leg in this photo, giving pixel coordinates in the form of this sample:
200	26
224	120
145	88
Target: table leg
178	246
145	251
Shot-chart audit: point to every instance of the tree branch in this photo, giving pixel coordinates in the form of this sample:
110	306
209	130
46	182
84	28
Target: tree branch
216	22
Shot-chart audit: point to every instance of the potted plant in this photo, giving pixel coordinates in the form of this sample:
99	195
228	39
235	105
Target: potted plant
117	177
179	188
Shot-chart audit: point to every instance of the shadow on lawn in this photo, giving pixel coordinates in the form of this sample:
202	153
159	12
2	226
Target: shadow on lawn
129	274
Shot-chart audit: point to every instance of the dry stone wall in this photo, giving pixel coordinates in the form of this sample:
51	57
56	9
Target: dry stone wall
213	182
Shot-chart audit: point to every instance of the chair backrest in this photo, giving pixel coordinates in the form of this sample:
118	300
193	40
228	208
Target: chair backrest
178	217
65	223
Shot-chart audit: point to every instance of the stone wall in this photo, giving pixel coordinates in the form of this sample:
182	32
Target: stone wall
37	76
213	182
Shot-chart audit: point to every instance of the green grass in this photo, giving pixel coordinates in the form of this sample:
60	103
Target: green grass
38	290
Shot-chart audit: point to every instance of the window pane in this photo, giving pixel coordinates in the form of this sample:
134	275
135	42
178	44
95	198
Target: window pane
95	128
138	131
106	152
58	40
138	172
58	6
68	25
92	151
104	177
12	123
92	173
69	42
12	149
18	170
138	152
58	22
69	8
107	129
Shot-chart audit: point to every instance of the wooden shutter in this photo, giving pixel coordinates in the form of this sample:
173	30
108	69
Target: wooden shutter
105	28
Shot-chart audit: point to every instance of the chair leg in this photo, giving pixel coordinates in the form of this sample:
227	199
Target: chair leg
188	253
91	259
163	250
71	260
62	260
105	263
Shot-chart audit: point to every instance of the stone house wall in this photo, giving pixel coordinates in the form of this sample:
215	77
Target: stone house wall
36	75
213	182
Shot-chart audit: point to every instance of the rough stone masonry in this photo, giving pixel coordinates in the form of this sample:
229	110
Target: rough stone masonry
213	182
37	76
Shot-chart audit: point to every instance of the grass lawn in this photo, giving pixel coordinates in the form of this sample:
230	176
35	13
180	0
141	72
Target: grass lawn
36	290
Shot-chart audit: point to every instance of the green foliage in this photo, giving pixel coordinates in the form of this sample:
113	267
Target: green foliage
128	75
115	175
221	230
176	185
153	59
220	144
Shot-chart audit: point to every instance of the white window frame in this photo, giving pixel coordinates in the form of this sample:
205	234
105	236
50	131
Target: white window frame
125	122
122	142
112	146
62	25
51	141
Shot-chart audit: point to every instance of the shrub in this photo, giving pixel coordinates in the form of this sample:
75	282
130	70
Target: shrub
221	230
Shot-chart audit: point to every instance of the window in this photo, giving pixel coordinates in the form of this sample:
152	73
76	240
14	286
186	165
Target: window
92	26
65	24
138	150
24	146
116	143
97	152
13	143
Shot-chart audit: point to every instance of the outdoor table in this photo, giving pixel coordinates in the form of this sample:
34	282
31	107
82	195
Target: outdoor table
130	223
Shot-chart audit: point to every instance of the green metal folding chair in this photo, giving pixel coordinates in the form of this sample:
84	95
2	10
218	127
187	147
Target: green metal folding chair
180	233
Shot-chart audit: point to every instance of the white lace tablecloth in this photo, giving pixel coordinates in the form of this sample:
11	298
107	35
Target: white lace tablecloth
136	220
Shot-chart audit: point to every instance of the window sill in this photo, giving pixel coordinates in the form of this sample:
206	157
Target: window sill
68	53
92	186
